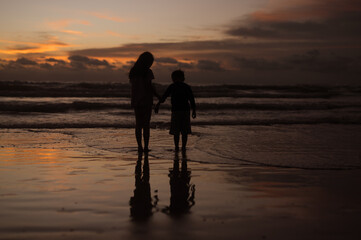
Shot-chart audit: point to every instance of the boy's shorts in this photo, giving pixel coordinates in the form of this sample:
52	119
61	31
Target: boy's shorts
180	123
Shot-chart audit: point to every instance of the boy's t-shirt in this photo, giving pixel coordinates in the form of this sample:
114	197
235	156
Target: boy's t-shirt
181	95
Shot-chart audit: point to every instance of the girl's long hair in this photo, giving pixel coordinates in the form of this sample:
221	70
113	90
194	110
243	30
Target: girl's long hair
141	66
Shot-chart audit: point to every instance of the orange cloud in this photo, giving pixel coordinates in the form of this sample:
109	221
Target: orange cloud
119	60
72	32
18	47
66	22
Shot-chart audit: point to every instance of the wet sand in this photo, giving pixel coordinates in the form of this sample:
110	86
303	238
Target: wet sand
53	186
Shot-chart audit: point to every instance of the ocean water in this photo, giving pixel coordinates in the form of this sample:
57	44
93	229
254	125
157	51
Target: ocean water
309	127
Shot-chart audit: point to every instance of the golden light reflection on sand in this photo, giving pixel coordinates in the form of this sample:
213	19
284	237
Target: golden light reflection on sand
31	155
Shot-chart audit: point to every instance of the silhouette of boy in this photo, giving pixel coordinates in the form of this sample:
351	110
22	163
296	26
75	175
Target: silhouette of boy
182	100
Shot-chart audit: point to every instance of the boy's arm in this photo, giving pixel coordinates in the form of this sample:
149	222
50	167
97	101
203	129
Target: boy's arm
166	94
193	103
162	99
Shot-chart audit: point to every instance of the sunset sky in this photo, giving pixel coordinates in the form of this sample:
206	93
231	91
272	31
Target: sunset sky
214	41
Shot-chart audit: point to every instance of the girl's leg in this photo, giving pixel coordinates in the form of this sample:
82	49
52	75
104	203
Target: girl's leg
176	142
138	128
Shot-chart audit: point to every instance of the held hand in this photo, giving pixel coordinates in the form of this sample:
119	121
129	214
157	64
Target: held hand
156	109
194	115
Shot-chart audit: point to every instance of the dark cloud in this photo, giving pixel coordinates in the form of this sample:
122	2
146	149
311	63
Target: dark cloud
3	64
25	61
166	60
82	62
133	50
76	63
341	22
225	51
14	70
88	61
260	64
307	58
280	30
217	50
310	61
126	67
55	60
173	61
209	65
46	66
310	67
183	65
316	62
22	47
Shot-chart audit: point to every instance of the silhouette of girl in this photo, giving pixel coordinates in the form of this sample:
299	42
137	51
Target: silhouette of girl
141	77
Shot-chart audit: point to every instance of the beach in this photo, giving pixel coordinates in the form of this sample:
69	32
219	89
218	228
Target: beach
85	183
262	162
268	94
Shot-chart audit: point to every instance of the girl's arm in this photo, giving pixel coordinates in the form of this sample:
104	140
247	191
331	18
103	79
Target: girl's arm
154	91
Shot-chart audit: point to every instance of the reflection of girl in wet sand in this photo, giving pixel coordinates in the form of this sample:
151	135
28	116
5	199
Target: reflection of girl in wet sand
141	77
141	206
182	191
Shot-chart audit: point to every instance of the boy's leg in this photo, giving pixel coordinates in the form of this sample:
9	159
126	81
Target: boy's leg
176	141
184	141
138	136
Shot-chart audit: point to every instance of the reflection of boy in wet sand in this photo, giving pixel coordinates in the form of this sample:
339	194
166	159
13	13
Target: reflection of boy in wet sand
181	96
182	191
